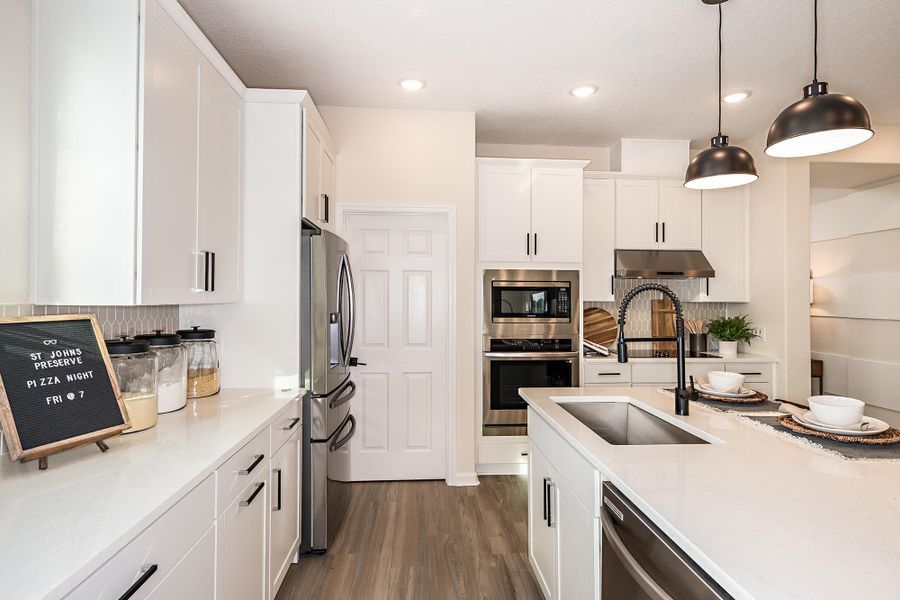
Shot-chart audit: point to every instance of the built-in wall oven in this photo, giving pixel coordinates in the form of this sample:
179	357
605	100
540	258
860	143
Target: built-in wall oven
531	339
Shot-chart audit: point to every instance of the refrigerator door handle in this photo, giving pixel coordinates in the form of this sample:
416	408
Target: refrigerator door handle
339	311
351	325
344	396
339	442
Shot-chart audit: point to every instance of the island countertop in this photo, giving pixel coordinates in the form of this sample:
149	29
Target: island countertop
59	525
764	516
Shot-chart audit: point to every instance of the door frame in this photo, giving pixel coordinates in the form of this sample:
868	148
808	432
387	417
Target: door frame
449	213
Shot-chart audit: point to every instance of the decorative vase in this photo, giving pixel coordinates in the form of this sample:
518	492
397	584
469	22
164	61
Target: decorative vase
728	348
697	344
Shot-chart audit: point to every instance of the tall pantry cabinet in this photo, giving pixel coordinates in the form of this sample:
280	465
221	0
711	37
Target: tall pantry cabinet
138	143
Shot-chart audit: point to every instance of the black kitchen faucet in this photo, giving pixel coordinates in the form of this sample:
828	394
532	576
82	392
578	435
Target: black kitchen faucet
682	396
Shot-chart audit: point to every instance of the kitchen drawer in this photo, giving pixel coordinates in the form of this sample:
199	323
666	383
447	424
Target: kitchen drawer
765	388
753	372
241	468
285	424
163	544
667	372
607	372
194	578
579	474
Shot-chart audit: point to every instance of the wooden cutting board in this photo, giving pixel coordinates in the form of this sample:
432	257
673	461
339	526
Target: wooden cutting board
600	327
663	324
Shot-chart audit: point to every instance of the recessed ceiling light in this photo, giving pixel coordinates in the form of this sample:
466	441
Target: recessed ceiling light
584	91
735	97
411	85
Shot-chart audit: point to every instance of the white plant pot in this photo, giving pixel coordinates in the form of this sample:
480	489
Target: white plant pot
728	348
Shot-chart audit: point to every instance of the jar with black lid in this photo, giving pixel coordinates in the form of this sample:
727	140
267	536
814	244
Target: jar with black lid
135	367
171	354
203	361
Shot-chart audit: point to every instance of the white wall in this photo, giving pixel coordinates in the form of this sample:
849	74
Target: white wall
598	156
855	320
15	57
423	158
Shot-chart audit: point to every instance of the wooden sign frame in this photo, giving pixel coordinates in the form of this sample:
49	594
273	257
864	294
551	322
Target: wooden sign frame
8	421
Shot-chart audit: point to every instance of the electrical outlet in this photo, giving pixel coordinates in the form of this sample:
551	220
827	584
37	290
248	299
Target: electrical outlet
760	333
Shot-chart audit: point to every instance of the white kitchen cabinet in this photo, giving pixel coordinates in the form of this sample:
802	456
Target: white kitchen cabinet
194	577
527	209
657	214
318	179
284	523
725	243
138	161
241	536
541	533
599	239
556	204
578	545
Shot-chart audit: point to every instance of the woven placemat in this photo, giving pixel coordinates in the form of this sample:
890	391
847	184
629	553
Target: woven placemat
757	397
891	436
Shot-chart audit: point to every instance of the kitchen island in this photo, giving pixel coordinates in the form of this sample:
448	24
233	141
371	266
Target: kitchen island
765	517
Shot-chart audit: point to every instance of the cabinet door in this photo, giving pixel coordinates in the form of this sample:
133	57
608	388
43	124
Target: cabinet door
504	213
168	226
194	578
241	545
284	525
312	151
326	188
725	243
637	223
578	554
679	217
599	239
541	535
219	200
557	214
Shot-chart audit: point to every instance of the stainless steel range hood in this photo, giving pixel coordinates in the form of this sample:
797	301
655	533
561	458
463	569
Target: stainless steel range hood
662	264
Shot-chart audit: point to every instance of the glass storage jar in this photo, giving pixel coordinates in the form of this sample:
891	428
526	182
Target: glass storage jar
171	358
203	361
135	368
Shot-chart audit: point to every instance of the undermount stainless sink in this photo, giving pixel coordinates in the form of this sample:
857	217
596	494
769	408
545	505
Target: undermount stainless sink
623	423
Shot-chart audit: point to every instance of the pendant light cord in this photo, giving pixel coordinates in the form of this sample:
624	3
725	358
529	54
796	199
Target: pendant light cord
720	69
815	41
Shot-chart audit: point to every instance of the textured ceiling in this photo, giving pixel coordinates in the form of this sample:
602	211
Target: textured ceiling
514	61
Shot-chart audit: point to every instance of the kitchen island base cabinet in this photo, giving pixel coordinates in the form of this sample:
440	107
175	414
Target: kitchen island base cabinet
541	534
284	524
241	545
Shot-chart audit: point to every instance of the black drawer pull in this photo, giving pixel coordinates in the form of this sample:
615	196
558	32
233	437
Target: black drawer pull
249	469
145	576
255	493
750	373
293	424
609	374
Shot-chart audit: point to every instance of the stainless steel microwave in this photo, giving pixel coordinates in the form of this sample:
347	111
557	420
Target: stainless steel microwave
532	298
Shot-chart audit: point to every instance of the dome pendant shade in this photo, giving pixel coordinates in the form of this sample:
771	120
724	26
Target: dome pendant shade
818	124
720	166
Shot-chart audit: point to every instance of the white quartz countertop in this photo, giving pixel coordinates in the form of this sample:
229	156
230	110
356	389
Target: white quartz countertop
767	518
59	525
740	357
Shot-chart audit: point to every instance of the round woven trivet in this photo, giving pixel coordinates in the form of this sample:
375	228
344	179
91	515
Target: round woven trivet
758	397
891	436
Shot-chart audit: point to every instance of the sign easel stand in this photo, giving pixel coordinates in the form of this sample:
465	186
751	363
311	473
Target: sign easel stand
43	462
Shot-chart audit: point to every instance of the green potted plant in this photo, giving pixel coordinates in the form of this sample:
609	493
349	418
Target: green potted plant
731	330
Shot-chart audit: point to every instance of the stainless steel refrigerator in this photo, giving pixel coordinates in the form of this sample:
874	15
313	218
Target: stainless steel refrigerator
327	325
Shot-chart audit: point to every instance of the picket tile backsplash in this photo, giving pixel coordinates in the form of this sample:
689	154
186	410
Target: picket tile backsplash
114	320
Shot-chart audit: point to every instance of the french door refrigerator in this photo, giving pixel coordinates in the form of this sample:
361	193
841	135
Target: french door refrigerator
327	325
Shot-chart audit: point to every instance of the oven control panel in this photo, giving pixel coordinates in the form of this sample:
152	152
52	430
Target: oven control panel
531	345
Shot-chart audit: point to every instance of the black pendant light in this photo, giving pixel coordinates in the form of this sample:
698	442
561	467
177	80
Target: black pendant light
821	122
720	166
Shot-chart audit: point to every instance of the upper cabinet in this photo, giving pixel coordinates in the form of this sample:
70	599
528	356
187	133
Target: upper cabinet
660	214
599	239
318	176
138	159
526	210
725	243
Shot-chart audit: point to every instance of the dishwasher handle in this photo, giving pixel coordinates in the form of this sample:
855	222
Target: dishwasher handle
631	564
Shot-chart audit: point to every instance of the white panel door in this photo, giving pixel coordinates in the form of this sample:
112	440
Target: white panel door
725	243
556	214
679	216
637	223
312	150
284	522
542	537
599	239
401	273
578	545
326	189
504	213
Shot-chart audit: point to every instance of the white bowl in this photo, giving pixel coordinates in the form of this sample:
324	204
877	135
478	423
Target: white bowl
836	410
725	381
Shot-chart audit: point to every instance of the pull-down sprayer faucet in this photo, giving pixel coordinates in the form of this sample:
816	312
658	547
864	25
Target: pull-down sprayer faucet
682	396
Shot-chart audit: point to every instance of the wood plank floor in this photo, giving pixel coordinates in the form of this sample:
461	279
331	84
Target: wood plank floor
423	539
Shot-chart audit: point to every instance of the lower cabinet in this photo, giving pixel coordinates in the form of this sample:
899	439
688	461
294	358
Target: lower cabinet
541	533
192	578
241	545
284	524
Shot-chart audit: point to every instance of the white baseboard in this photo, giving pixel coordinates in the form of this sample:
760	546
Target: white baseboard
502	469
463	479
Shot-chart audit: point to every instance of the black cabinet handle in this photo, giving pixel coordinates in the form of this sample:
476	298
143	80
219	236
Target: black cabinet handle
212	286
614	373
145	576
528	244
253	465
612	285
278	472
255	493
535	244
657	232
549	502
206	259
750	373
293	424
325	200
546	480
664	232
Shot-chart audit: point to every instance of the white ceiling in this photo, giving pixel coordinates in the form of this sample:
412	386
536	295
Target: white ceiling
514	61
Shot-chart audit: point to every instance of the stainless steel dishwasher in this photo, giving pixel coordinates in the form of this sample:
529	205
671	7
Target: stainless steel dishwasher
639	562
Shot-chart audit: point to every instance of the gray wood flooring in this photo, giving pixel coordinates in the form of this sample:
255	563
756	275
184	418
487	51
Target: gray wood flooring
424	540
